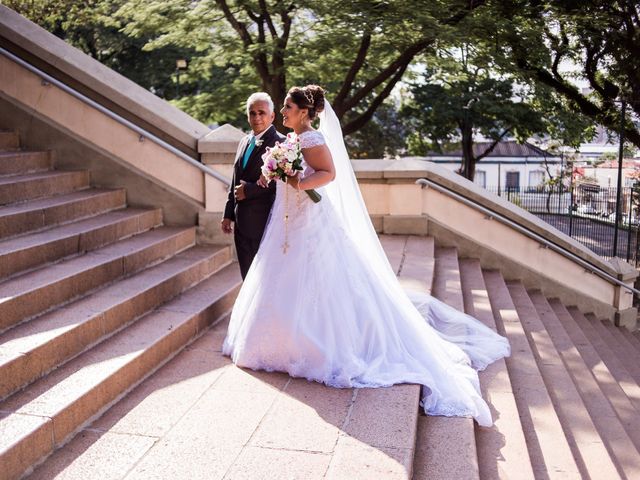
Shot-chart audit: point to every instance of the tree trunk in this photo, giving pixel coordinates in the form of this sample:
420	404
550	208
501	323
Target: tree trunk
468	169
275	86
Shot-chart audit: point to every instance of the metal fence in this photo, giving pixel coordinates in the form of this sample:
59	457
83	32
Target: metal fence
587	213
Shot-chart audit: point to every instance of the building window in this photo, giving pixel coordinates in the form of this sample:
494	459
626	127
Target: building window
513	181
536	179
480	178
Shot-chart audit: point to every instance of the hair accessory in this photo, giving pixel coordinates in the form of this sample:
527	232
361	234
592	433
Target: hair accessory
308	95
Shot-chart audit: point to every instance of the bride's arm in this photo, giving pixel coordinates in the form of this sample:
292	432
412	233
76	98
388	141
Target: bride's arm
319	158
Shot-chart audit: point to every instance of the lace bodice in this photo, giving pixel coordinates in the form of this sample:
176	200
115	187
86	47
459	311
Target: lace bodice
311	138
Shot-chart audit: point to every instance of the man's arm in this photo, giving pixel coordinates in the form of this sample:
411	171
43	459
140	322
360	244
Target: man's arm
253	190
230	206
229	214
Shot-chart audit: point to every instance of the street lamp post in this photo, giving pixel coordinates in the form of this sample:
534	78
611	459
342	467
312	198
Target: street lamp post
466	116
181	65
619	192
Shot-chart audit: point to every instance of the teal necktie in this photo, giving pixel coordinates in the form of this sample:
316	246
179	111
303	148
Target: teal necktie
247	152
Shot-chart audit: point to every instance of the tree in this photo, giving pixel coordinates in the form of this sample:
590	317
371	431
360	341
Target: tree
359	50
383	136
462	94
562	180
600	39
94	27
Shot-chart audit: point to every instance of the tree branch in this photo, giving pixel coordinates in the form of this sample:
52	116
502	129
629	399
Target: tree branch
252	15
608	117
461	14
237	26
591	68
286	24
492	147
399	63
362	119
355	68
267	17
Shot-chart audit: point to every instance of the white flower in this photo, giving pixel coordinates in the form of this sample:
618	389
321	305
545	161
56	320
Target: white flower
291	155
259	142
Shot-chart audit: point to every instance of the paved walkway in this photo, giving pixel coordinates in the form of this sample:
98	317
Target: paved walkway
201	417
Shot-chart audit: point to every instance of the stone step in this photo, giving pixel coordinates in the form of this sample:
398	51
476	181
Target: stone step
38	291
447	285
619	444
38	214
29	251
589	449
614	365
32	349
22	162
549	450
413	262
412	259
265	424
9	140
394	247
615	347
417	268
621	334
48	413
633	340
631	355
497	458
611	389
446	446
19	188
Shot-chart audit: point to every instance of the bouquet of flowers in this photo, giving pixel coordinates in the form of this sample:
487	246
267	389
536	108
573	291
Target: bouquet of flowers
284	160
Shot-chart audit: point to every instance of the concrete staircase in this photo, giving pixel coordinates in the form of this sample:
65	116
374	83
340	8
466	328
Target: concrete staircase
94	297
107	295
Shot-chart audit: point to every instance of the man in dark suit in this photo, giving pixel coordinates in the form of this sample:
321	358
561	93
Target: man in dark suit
249	204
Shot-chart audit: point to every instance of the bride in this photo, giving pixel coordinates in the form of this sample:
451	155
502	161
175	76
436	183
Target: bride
321	301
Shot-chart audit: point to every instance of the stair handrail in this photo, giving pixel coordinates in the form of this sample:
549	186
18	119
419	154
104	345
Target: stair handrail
114	116
423	182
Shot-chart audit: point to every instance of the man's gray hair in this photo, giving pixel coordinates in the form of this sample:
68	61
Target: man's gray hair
259	97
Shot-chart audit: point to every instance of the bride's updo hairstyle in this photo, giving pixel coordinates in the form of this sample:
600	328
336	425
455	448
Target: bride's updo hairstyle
310	97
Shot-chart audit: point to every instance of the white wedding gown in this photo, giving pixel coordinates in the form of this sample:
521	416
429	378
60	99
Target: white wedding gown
325	311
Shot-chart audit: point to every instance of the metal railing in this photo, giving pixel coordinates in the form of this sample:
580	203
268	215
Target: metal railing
587	213
529	233
123	121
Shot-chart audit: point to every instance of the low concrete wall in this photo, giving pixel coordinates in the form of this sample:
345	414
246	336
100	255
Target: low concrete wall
84	137
70	154
81	72
399	206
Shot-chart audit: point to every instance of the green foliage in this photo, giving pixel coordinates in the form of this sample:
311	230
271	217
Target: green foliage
382	137
463	93
562	42
358	50
96	28
507	54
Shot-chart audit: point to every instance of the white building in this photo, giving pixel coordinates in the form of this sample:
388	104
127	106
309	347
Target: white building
606	174
514	166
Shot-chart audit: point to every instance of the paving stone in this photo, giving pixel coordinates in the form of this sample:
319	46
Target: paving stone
107	456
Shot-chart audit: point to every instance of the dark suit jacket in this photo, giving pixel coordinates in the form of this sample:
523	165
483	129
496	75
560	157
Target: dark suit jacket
250	215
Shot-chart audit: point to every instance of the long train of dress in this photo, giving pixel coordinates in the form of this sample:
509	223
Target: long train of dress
319	311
